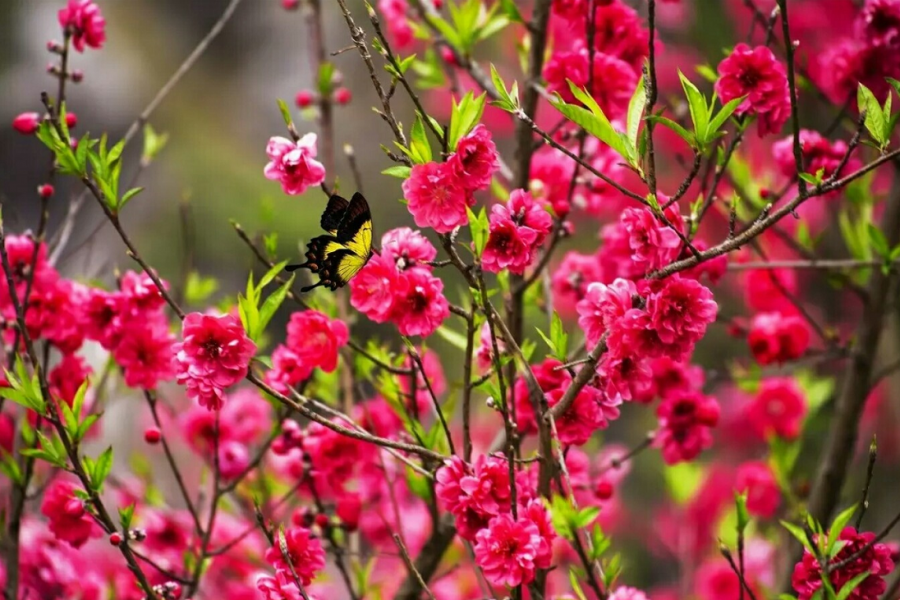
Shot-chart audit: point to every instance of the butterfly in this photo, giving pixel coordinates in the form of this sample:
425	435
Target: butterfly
346	248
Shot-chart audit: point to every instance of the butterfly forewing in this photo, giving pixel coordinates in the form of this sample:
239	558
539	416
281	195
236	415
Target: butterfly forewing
334	213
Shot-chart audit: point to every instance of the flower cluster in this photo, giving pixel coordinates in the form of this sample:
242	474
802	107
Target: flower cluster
874	559
399	285
438	194
518	228
83	20
294	164
313	342
214	354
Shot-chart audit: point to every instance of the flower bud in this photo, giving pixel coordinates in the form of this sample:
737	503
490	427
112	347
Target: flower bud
115	538
152	435
449	56
71	120
45	191
342	96
27	123
604	490
304	98
322	520
290	4
77	75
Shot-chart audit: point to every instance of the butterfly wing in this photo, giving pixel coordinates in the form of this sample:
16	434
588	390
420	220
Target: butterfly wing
334	213
339	256
355	231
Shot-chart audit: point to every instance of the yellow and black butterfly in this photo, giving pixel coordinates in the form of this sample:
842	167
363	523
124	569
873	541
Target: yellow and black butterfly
347	247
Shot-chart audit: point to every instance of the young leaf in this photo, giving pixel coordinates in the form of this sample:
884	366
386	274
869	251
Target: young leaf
593	121
153	143
798	533
743	517
512	12
698	109
285	112
635	112
268	277
878	241
724	114
399	171
419	147
128	196
875	118
326	79
479	226
849	587
101	469
838	525
683	133
271	306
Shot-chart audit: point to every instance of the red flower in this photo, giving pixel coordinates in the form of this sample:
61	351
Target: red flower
685	420
419	305
603	306
280	587
591	410
624	371
878	24
570	280
679	311
436	196
763	494
294	164
69	521
777	338
507	550
82	18
517	230
407	248
614	79
653	244
876	560
67	377
372	290
758	75
304	553
778	408
474	494
763	289
845	65
818	154
316	339
394	12
475	160
145	353
670	376
215	354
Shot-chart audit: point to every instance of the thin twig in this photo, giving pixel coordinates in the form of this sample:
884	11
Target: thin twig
404	554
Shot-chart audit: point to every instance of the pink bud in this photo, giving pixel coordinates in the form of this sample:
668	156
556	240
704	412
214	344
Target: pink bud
74	143
448	56
342	95
74	508
71	120
604	490
290	4
77	75
304	98
322	520
54	46
27	123
115	538
45	191
152	435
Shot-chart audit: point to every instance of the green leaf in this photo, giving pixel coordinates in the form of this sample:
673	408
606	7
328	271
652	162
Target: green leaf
419	147
509	99
270	275
849	587
10	467
455	338
271	306
127	196
447	30
724	114
875	118
635	112
464	117
325	80
398	171
698	108
560	338
510	9
593	121
417	484
198	289
153	143
878	241
840	521
285	113
101	469
479	226
683	133
683	480
126	516
707	73
799	534
576	587
740	506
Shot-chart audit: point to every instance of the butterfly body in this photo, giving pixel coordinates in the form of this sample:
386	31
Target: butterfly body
340	254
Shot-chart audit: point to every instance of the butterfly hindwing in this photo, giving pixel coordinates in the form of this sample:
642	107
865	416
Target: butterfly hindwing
339	256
